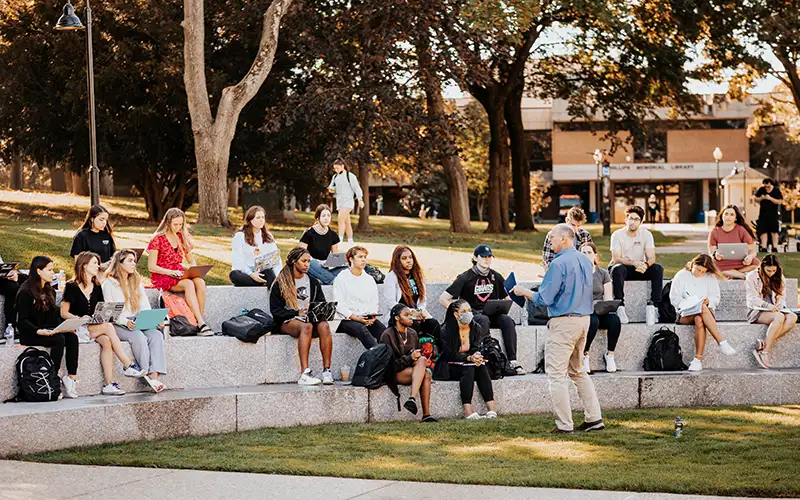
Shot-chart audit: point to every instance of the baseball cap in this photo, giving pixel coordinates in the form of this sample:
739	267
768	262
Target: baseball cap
482	251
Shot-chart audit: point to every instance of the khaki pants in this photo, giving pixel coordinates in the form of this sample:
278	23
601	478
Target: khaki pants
563	359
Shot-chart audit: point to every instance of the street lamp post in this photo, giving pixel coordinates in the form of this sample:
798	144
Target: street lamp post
718	158
70	22
598	157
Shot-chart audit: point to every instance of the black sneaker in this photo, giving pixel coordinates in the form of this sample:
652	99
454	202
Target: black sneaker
429	418
592	426
411	405
556	430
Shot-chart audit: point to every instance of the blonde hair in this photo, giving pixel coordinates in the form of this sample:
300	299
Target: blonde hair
166	223
129	282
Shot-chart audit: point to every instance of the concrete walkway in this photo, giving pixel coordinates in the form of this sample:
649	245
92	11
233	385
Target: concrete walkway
34	481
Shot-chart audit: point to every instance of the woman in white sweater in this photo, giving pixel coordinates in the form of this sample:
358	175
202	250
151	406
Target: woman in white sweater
766	297
405	285
124	284
255	258
344	185
695	295
357	296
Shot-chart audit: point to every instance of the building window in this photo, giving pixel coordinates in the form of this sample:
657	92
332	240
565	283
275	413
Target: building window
540	147
650	146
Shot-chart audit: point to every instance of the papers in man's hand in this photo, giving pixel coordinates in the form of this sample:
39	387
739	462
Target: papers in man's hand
691	305
511	282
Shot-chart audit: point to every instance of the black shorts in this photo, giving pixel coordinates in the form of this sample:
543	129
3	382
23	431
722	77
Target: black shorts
769	225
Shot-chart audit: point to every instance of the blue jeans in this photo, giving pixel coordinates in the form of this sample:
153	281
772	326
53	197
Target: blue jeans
323	274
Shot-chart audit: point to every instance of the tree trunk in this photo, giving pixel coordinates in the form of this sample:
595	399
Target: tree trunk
233	193
212	174
58	182
480	202
520	161
498	169
363	215
68	180
80	183
17	173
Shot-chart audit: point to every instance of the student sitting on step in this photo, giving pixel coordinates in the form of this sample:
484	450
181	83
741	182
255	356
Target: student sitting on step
95	235
289	300
476	286
38	315
409	363
732	228
9	286
321	241
766	298
576	217
357	296
695	295
405	284
461	360
255	258
633	258
601	290
169	254
124	284
81	295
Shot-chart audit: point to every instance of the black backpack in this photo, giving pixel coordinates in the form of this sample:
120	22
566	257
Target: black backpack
666	311
376	274
496	362
248	327
37	377
179	326
664	353
375	368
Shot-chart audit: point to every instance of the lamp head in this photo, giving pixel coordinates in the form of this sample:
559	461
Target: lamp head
598	156
718	154
68	20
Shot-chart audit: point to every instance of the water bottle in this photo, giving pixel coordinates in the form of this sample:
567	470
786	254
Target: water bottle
678	427
650	314
62	279
9	336
345	372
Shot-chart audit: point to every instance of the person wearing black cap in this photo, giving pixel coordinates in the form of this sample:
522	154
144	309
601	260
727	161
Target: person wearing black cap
476	286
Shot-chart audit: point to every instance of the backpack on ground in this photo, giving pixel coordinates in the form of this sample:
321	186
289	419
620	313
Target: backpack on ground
37	377
664	353
180	326
177	307
376	274
666	311
496	362
375	368
248	327
427	346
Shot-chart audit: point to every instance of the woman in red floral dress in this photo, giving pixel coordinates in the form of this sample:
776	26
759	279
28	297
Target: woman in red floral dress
168	251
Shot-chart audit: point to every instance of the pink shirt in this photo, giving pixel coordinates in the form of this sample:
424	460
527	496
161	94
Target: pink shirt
738	235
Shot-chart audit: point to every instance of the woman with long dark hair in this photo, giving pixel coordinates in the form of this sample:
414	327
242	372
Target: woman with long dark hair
291	296
321	241
38	315
601	290
766	299
255	258
698	285
405	284
409	363
461	360
732	228
95	235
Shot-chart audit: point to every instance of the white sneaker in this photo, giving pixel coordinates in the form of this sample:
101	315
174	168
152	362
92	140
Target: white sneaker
351	242
611	365
327	377
696	365
517	367
474	416
134	371
622	315
308	378
726	348
490	414
70	387
587	367
112	389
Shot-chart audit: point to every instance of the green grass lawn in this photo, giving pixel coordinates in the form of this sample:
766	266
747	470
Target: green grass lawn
744	451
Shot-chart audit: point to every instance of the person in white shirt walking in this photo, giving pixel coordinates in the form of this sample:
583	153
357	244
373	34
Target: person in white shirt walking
255	258
357	297
346	188
699	283
633	258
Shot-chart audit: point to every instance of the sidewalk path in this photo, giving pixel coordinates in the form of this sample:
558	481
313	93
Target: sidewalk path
35	481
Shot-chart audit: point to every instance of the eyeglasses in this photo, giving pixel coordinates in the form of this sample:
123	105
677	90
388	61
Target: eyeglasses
634	219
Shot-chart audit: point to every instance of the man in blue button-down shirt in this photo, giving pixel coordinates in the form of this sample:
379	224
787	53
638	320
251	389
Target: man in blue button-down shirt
566	291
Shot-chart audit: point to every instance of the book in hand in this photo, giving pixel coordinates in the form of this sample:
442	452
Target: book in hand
784	310
511	282
691	305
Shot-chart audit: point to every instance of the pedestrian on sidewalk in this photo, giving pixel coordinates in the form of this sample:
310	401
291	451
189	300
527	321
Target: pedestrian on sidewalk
770	200
566	291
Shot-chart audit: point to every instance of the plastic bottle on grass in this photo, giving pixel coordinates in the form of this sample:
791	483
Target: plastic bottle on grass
678	427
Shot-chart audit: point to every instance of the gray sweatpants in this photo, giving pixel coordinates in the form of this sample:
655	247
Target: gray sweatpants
147	347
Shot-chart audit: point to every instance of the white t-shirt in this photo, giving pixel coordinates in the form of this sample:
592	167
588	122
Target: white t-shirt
632	247
303	288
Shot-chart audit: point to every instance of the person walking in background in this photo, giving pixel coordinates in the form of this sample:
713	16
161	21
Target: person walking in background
633	258
344	185
576	217
770	201
321	241
255	258
566	291
699	281
766	299
732	228
95	235
379	205
653	209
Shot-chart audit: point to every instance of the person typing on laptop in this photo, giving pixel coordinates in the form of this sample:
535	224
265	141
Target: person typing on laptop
320	240
477	285
731	228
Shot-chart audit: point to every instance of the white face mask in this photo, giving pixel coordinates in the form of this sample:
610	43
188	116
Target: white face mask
465	318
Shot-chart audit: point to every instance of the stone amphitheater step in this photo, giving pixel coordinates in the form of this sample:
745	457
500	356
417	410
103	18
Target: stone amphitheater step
108	419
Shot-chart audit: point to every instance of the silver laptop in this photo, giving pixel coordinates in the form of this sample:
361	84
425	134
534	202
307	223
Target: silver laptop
733	251
335	260
106	312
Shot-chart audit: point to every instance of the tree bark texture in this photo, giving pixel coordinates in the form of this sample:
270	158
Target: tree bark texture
233	193
363	215
17	173
58	181
213	135
520	164
80	183
498	162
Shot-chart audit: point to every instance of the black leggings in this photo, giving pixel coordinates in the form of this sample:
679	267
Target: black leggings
608	322
507	327
468	376
368	335
239	278
57	343
8	289
620	273
428	327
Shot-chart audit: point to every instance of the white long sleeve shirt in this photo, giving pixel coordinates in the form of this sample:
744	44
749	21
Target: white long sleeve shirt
355	294
112	292
393	295
753	285
685	285
243	256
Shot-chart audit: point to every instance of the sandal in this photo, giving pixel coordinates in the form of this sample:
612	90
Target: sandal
759	345
411	405
205	331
